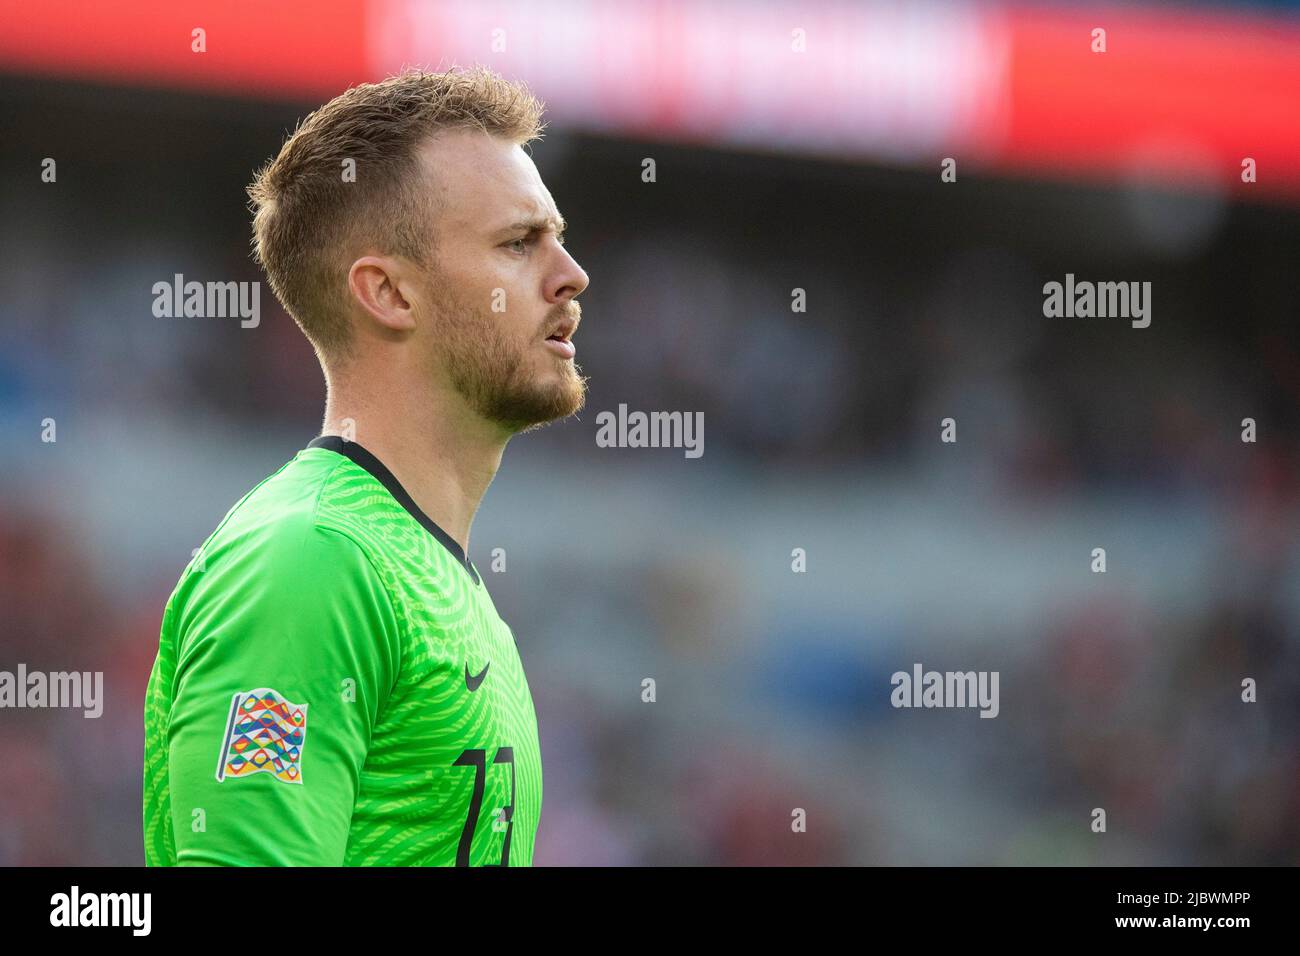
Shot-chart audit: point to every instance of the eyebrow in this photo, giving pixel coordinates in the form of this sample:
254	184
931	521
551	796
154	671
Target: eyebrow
536	224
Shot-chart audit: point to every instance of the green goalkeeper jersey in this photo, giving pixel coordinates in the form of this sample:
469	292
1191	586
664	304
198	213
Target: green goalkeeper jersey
334	686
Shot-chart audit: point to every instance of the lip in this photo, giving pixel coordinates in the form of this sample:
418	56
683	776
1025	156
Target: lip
561	347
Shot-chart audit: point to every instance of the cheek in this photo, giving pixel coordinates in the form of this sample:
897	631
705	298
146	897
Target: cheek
499	299
515	313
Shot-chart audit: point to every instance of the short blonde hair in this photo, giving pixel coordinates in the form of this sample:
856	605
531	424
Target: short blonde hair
309	223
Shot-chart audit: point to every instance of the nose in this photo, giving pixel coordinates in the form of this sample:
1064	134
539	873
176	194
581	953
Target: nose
567	280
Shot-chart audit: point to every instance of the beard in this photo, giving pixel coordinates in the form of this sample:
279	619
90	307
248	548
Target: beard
496	372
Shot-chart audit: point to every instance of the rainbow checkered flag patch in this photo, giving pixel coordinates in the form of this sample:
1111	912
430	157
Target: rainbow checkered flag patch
265	734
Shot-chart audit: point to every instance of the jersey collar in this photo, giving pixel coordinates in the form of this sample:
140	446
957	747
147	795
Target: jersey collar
351	450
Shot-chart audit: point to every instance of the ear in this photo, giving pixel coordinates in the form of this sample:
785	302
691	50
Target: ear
375	282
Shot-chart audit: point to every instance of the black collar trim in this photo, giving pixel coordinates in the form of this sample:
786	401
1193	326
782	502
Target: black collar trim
354	452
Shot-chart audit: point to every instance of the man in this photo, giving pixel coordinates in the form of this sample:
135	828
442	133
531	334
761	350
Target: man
333	684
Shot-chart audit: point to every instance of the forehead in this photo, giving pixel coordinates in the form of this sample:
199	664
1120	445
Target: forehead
483	182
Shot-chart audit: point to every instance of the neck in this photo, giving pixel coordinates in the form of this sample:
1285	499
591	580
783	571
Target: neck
443	453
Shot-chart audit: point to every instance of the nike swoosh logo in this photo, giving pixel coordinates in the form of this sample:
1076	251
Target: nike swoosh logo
472	681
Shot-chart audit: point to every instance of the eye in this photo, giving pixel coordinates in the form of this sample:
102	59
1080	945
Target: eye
521	243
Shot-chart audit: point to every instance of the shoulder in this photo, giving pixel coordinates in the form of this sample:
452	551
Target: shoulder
280	564
283	536
282	513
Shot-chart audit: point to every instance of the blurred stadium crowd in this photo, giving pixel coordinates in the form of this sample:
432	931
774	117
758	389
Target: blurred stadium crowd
1119	690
